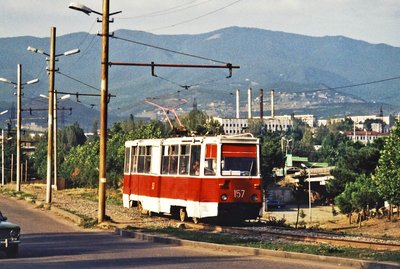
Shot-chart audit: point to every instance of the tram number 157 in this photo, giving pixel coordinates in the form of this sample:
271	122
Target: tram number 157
238	193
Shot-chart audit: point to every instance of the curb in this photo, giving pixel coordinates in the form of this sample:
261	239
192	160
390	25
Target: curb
68	215
256	252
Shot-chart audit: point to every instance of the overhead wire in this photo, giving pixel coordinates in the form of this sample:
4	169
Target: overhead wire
77	80
187	86
168	50
363	83
167	11
87	34
195	18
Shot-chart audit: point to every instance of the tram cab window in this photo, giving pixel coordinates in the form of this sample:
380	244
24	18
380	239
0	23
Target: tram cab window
210	167
239	160
210	160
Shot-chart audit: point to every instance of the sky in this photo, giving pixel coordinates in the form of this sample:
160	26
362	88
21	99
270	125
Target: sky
373	21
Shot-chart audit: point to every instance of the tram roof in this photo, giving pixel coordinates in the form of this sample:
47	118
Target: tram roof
242	138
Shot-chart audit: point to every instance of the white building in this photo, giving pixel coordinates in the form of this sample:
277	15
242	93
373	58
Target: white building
365	137
238	126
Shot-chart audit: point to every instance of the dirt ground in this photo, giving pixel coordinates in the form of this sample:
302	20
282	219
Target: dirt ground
322	217
84	203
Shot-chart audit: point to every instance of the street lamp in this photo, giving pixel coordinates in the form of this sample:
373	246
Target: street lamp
103	98
51	68
309	187
69	52
18	85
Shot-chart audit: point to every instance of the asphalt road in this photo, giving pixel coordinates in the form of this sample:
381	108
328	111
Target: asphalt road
50	242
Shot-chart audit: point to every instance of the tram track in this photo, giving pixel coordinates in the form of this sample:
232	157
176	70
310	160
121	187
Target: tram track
334	239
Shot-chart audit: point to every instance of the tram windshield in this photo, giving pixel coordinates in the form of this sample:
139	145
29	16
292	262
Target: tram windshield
239	160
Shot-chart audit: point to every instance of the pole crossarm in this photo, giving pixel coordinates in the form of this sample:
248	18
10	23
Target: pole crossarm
77	94
153	65
45	109
228	66
85	94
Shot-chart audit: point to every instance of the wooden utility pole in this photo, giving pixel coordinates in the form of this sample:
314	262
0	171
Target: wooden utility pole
50	117
19	82
103	110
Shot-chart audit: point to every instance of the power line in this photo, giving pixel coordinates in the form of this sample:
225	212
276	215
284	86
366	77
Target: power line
87	34
169	50
188	86
167	11
364	83
196	18
77	80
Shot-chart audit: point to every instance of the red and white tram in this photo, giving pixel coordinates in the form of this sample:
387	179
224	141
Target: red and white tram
197	177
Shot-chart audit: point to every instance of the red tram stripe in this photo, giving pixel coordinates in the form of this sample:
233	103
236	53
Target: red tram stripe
239	151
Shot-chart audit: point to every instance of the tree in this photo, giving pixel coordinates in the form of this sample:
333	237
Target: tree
359	196
387	174
343	201
300	192
95	128
354	159
320	133
306	144
329	147
195	121
200	123
271	156
345	125
39	158
368	123
80	167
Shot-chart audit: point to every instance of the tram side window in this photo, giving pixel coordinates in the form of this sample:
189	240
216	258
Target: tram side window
184	159
134	159
147	160
210	162
144	159
173	159
127	159
170	159
195	160
165	160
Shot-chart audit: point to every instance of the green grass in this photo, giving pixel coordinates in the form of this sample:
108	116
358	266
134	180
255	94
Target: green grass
91	195
18	194
87	221
317	249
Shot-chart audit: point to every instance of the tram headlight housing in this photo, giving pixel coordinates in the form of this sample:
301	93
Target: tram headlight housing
254	198
224	197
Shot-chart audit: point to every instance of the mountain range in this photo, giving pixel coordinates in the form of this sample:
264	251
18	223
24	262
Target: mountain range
326	76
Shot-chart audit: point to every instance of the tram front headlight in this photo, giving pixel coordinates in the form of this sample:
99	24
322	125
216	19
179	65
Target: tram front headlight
224	197
254	198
